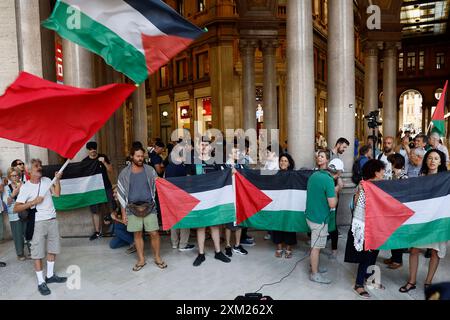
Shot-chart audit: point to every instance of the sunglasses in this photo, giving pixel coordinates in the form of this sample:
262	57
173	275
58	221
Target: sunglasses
20	164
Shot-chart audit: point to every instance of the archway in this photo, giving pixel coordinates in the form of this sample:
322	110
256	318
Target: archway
410	111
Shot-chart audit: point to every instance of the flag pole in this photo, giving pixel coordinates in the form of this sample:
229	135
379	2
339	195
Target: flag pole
54	179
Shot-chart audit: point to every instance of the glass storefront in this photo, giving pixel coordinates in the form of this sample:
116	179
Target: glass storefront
204	114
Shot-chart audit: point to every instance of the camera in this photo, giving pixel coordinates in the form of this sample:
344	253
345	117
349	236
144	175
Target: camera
372	119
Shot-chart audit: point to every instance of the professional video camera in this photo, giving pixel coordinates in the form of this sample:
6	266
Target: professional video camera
372	119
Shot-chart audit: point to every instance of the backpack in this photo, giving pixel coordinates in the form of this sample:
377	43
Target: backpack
356	172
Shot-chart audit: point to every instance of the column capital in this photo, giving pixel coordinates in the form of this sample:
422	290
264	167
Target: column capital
269	45
390	48
247	45
371	47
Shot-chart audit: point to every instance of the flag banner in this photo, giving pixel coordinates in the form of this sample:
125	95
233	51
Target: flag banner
135	37
81	185
274	202
196	201
57	117
407	213
438	119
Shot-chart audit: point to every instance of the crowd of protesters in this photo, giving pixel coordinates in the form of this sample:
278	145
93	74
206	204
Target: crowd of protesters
132	210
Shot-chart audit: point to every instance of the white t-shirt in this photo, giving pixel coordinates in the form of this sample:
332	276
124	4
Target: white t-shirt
29	191
388	169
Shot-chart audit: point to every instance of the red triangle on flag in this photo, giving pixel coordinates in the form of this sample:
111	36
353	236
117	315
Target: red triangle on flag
249	199
384	215
175	203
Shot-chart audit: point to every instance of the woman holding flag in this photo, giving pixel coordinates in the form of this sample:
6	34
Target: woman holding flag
434	162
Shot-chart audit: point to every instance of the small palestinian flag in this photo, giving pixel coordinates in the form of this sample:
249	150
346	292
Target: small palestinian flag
196	201
81	185
438	115
407	213
273	202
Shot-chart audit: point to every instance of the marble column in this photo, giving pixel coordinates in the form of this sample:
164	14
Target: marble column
390	101
140	130
78	72
30	54
300	106
270	84
341	76
247	48
370	81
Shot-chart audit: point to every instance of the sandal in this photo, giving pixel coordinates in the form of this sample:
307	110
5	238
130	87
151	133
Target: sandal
138	267
288	254
405	288
278	253
363	294
161	265
426	285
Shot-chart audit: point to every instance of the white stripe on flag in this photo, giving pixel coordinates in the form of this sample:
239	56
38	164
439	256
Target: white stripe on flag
119	17
82	184
212	198
286	200
429	210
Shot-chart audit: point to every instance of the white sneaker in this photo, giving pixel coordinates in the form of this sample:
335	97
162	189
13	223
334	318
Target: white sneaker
319	278
174	246
267	236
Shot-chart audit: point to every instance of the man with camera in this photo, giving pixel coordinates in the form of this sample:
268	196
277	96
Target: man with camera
136	194
35	195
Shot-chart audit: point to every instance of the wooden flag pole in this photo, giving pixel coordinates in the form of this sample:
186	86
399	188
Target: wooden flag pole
54	179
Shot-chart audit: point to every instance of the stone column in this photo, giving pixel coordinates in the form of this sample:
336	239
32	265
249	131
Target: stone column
140	131
390	101
270	84
370	81
30	54
248	48
78	72
341	76
300	83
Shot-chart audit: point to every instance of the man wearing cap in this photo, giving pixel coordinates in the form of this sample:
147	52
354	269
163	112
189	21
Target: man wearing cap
106	167
321	200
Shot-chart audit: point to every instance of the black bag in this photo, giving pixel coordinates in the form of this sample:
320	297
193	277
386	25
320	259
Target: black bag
141	209
356	172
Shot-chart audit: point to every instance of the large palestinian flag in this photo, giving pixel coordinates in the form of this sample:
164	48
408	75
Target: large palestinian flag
196	201
273	202
135	37
81	185
407	213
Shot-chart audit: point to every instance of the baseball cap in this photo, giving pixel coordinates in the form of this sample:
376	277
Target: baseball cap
336	165
91	145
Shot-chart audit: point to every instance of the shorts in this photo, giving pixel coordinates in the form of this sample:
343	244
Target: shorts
105	207
45	239
231	226
319	234
148	223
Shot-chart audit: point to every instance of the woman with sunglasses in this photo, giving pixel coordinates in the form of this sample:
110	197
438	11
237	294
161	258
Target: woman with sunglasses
19	165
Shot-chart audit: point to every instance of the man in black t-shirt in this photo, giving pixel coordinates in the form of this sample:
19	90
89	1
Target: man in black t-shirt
155	158
103	208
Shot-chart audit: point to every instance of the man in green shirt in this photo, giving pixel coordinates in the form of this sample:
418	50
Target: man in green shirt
320	200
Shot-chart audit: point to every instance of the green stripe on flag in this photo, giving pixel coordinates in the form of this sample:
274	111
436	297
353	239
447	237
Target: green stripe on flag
99	39
410	235
209	217
439	127
79	200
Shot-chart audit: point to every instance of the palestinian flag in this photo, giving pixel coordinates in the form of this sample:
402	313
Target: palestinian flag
135	37
196	201
273	202
407	213
81	185
438	115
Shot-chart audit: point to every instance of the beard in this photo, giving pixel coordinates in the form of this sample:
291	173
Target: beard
139	163
387	150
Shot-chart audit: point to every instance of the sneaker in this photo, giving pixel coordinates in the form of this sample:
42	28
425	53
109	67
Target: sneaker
267	236
250	238
228	251
220	256
55	279
199	260
319	278
95	235
43	289
240	250
174	246
188	247
21	258
247	242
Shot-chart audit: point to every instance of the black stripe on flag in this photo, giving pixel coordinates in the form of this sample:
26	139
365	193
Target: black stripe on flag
292	179
205	182
73	170
417	189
